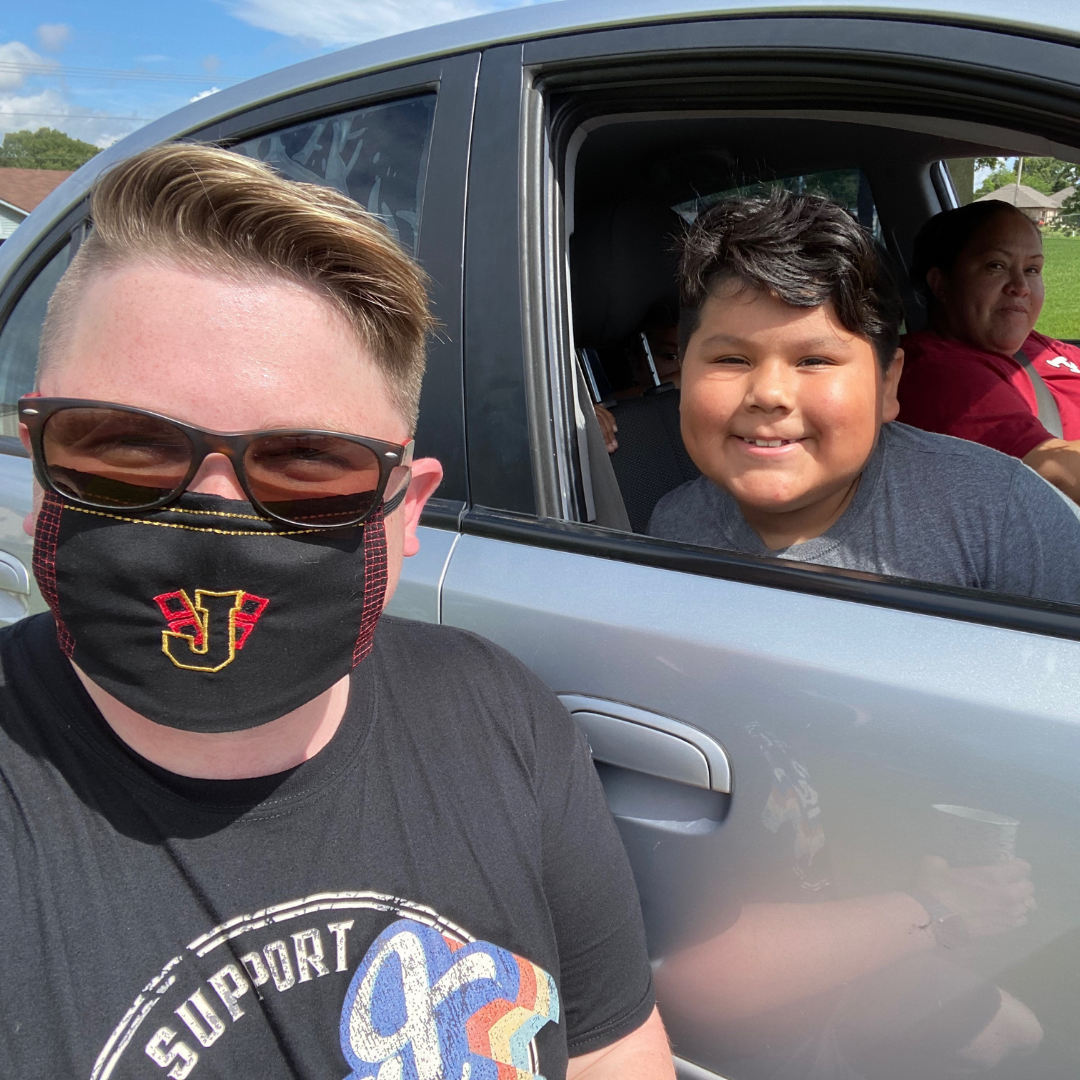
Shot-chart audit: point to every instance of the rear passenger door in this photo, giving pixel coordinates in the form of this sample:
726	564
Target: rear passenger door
397	142
782	746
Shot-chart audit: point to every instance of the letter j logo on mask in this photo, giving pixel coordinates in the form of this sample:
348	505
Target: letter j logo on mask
207	635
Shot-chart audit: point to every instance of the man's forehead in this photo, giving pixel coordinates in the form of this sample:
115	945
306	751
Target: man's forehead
229	354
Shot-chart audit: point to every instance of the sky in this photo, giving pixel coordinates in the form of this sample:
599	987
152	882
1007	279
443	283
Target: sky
98	71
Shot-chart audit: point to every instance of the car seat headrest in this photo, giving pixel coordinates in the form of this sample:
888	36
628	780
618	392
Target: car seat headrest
622	264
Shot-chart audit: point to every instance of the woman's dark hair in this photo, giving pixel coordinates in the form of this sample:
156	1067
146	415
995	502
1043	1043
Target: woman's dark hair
940	241
804	249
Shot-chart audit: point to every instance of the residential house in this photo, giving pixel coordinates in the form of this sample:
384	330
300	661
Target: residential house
21	190
1033	204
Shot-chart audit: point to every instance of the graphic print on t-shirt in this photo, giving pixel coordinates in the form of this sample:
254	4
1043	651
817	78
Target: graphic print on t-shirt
426	1002
463	1010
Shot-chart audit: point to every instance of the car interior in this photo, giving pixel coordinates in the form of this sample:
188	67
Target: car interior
632	183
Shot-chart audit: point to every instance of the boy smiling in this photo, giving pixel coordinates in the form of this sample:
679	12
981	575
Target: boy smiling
789	334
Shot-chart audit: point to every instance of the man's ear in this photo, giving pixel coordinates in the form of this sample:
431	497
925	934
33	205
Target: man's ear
427	474
890	403
935	281
30	521
24	435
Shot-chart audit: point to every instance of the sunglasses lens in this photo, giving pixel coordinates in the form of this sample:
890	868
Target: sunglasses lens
313	479
112	458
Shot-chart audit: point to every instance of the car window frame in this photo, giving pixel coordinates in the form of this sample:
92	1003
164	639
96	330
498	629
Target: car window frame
515	82
453	80
442	224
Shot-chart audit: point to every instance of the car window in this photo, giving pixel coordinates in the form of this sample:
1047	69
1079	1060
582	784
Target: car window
667	418
19	339
848	187
1045	189
376	155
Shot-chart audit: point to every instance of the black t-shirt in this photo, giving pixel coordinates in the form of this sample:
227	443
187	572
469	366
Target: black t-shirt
440	889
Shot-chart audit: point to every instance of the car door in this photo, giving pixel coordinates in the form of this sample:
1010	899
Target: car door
783	747
397	142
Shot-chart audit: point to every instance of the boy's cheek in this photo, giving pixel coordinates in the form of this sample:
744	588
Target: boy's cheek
704	435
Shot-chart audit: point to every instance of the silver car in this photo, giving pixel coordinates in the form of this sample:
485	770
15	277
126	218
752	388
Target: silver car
788	750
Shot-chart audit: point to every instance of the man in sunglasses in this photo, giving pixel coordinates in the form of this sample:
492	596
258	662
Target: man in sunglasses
249	827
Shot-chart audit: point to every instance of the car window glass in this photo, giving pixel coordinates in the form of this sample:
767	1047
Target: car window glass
376	155
1044	189
848	187
19	339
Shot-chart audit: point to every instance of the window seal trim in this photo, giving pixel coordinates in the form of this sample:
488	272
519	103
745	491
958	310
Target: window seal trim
922	598
12	447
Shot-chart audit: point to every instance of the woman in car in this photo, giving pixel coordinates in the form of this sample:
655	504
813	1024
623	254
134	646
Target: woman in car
979	371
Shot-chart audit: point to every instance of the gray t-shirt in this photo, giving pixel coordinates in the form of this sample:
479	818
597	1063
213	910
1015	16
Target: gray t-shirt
928	507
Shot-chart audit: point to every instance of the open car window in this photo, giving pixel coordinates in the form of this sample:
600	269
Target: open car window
638	184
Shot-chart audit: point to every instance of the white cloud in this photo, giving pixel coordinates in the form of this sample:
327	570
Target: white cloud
205	93
53	36
23	108
28	112
15	58
347	22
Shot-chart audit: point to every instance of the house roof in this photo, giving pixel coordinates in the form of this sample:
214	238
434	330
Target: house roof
1060	196
25	188
1020	195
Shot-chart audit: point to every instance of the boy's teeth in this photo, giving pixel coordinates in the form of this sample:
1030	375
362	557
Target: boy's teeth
768	442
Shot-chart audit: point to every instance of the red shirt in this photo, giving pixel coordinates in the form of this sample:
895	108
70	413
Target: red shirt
957	389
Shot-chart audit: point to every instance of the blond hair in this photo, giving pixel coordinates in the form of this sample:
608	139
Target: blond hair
214	211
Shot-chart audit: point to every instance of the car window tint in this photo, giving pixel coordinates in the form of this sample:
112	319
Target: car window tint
848	187
1045	189
19	339
376	155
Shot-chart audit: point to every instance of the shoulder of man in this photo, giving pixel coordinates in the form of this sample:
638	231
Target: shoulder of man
455	669
38	695
435	650
29	654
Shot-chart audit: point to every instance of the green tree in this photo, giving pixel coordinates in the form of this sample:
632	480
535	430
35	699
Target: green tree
997	179
45	148
1045	174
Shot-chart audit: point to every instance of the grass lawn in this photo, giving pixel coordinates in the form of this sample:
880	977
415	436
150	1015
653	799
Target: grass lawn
1061	313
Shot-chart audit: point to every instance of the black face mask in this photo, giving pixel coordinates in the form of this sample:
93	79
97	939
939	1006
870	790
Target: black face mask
205	616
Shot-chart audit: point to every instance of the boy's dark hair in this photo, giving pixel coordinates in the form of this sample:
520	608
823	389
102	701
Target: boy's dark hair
941	240
804	249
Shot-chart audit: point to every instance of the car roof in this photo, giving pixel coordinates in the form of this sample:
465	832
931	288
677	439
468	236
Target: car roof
1053	19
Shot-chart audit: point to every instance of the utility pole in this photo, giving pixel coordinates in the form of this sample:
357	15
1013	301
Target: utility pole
1019	173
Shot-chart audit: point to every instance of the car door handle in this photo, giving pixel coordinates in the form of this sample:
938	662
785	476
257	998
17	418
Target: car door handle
14	589
649	743
13	575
